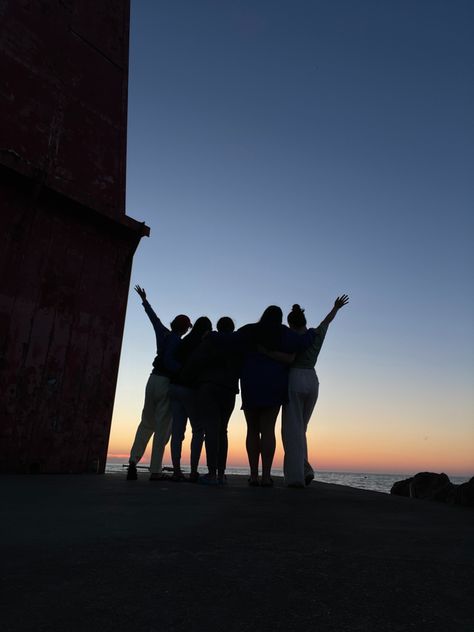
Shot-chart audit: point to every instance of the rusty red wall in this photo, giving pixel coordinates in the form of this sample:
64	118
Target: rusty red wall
66	245
63	68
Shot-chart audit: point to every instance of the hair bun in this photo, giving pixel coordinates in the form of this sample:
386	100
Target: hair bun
297	308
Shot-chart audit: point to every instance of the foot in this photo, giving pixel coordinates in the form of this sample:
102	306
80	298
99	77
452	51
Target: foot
193	477
158	476
254	482
178	477
222	480
207	479
308	478
267	482
132	472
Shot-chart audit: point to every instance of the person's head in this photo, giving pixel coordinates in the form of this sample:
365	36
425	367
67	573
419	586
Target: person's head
180	324
202	327
296	318
268	328
272	316
225	325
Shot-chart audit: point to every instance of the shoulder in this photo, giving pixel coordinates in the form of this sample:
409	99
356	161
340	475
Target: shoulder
246	332
246	328
321	330
288	334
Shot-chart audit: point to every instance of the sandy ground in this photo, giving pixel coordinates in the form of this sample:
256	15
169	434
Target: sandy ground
98	553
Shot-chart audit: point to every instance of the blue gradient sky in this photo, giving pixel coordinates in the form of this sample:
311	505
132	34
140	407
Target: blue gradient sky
288	152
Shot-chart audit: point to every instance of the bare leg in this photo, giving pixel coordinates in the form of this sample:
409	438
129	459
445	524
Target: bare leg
268	417
252	442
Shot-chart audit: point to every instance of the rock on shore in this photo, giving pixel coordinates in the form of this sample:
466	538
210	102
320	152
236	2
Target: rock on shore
433	486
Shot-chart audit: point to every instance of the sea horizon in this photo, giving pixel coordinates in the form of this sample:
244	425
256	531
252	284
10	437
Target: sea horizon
373	481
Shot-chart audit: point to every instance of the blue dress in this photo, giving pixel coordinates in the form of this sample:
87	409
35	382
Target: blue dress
264	381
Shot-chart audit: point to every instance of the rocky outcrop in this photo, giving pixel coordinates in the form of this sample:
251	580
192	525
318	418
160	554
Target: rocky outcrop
465	493
402	488
432	486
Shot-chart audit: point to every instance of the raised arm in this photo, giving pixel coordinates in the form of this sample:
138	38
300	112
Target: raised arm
141	292
160	330
338	303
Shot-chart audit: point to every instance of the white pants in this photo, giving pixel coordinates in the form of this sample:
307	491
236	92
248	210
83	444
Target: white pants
156	420
303	388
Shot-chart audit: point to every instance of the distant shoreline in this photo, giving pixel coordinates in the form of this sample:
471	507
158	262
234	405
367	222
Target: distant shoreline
370	481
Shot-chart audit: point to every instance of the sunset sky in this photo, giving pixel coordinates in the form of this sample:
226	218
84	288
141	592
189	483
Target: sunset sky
291	151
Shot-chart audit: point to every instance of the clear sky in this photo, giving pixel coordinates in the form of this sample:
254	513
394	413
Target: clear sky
291	151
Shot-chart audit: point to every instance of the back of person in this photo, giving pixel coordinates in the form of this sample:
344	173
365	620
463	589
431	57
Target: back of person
184	403
307	359
216	364
156	414
303	392
264	380
188	348
169	344
219	365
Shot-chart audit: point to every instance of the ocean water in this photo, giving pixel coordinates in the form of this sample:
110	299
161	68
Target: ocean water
375	482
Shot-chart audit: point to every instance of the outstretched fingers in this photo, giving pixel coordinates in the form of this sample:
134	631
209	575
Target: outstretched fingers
140	291
341	301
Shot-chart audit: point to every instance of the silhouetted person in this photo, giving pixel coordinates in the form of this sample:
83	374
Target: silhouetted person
184	404
303	389
214	367
264	385
156	414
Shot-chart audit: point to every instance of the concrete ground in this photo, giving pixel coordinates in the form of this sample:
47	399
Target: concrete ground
98	553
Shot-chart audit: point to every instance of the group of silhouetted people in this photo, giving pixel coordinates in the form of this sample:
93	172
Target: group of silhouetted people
195	378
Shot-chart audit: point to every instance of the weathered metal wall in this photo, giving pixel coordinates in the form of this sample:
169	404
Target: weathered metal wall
63	69
66	245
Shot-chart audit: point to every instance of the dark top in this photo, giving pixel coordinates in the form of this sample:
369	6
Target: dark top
264	381
167	345
216	360
185	353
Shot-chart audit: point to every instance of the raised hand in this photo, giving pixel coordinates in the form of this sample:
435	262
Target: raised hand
141	292
341	301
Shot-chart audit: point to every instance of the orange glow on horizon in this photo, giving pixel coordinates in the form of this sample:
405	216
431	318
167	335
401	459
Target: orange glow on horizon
332	447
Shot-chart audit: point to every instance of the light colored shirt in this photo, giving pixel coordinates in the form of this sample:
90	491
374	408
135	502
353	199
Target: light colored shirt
307	359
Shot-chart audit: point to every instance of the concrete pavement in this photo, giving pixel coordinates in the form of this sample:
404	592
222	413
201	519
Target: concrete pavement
98	553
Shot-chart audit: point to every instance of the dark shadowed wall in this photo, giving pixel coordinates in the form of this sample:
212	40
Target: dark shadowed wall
66	245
